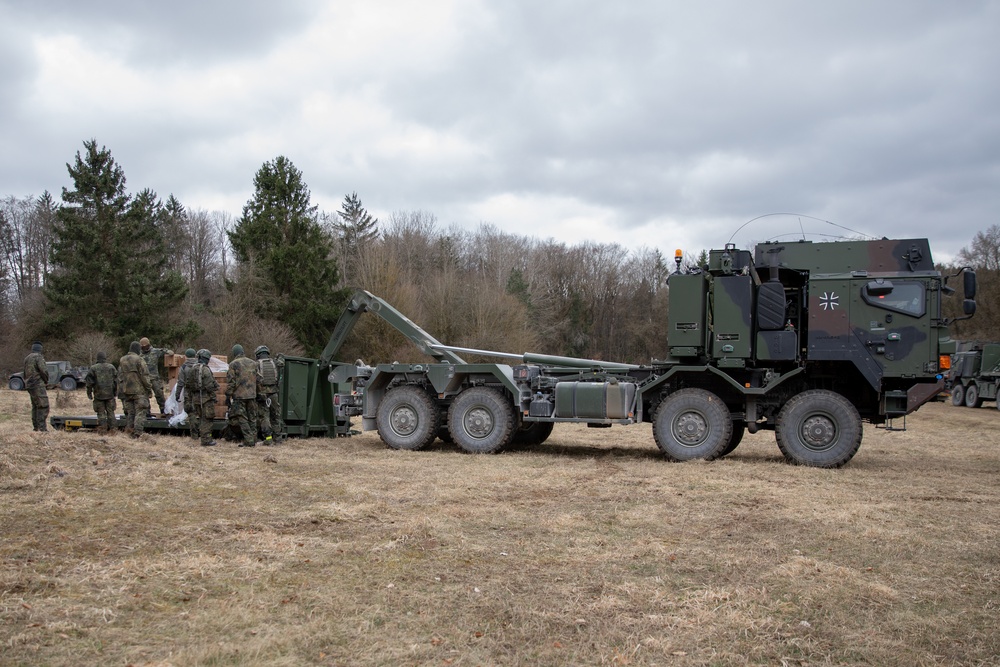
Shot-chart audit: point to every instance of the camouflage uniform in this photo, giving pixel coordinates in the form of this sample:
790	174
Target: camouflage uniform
268	407
182	381
241	391
102	385
153	356
36	376
136	389
202	386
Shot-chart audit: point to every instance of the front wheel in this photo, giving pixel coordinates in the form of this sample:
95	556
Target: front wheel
67	384
16	383
972	398
692	424
481	420
407	418
819	428
958	395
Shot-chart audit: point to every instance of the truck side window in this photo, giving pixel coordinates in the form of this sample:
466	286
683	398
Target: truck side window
905	297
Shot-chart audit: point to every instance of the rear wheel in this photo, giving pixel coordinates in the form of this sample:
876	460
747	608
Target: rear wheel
819	428
532	433
692	424
972	398
16	383
739	428
481	420
958	395
407	418
67	384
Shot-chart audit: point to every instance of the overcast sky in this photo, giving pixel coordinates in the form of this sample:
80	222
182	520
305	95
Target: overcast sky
645	122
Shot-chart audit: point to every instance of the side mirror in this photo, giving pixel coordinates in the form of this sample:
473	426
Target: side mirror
969	306
970	284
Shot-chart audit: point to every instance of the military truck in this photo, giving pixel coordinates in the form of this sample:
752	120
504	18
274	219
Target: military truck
62	374
808	340
975	374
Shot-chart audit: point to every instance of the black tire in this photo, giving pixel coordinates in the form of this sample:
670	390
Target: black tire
532	433
16	383
692	424
819	428
481	420
972	398
443	435
958	395
407	418
739	428
67	384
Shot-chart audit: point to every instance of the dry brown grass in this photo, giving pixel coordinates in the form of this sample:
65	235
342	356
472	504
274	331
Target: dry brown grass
588	550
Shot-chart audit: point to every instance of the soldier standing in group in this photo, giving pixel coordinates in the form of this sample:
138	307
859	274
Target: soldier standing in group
241	395
182	377
153	357
202	386
136	390
102	385
268	408
36	377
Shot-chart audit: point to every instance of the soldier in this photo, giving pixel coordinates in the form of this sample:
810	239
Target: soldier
136	390
153	356
102	385
36	376
202	386
189	363
268	408
241	395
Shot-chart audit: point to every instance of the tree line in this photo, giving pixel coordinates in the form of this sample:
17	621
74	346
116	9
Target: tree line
105	266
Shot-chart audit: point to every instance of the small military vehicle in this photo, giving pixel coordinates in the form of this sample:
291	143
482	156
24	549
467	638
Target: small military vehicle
975	375
62	374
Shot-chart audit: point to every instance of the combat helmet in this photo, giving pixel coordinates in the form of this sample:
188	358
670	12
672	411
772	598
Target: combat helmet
261	350
204	355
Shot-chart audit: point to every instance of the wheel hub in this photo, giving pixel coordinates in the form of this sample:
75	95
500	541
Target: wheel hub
478	422
818	432
690	429
404	420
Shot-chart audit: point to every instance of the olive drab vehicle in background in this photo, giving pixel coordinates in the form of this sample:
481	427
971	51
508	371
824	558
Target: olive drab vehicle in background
62	374
806	339
975	374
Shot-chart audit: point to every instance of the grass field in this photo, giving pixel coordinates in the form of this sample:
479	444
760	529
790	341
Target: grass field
588	550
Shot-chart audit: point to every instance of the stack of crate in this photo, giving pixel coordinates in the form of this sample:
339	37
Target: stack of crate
173	364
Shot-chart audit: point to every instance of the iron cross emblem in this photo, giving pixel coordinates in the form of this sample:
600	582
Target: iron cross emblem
829	301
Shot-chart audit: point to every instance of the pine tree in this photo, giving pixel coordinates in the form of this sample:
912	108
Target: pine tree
356	229
279	235
108	271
